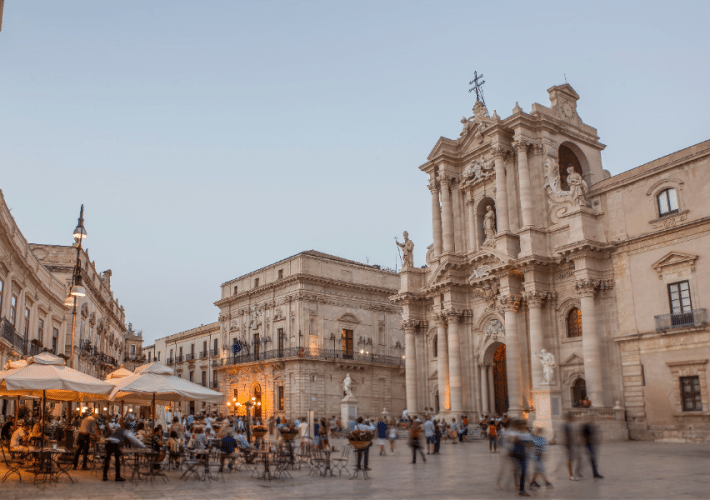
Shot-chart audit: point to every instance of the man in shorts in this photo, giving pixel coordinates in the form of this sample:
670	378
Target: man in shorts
428	428
382	435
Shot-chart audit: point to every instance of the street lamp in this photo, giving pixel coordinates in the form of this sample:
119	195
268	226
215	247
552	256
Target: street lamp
76	289
249	404
233	405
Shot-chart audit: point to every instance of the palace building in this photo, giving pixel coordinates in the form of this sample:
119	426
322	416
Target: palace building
551	285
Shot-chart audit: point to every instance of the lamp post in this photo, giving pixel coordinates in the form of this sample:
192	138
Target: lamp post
76	290
250	404
233	405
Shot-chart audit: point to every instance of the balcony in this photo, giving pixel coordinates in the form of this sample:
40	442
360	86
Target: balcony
215	384
203	355
189	357
178	359
696	317
171	361
214	352
305	353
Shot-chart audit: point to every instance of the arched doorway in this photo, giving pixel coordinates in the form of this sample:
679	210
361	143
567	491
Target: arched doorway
579	392
257	401
500	380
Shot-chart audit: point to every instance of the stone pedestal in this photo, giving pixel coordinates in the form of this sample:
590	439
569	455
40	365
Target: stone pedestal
548	412
348	409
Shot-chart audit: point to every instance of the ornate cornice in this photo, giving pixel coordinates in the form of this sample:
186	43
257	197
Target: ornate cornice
536	299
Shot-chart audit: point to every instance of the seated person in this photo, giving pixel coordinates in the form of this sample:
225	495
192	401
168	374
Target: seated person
7	430
227	450
156	443
140	431
175	447
244	446
198	441
18	441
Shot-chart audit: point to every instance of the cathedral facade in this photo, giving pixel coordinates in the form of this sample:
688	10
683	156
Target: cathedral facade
552	287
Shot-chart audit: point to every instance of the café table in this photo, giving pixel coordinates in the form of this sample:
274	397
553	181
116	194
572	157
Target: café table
45	468
136	454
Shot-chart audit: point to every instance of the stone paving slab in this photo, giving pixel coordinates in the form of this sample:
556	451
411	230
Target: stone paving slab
631	470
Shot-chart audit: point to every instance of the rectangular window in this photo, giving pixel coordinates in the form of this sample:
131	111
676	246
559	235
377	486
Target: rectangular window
348	344
256	346
256	282
234	394
55	339
679	296
158	355
281	340
192	374
281	273
13	310
27	322
281	401
40	330
690	393
204	348
216	346
192	350
204	378
2	286
235	290
133	349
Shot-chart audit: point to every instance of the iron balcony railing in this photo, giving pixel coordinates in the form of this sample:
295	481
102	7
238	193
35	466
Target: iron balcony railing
178	359
189	356
306	353
10	334
696	317
203	354
214	352
215	384
171	361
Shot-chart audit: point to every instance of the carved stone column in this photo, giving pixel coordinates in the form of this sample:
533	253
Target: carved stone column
472	226
442	363
436	218
521	146
501	191
447	213
410	364
455	379
535	301
591	344
510	304
485	403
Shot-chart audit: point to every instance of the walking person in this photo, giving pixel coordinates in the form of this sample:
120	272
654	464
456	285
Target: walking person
113	448
361	426
392	434
519	453
589	439
437	438
428	429
414	441
540	444
382	435
89	428
492	437
570	446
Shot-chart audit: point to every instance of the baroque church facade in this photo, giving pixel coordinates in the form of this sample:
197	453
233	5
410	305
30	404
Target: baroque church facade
552	287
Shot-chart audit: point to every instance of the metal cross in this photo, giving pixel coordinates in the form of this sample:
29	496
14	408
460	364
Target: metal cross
477	86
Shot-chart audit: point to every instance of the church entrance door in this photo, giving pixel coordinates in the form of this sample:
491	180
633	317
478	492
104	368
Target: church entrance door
500	380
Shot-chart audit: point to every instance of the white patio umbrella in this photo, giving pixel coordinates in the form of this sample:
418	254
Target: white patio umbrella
120	373
46	376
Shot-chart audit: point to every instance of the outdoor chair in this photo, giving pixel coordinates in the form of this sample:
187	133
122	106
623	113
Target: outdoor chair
11	464
317	463
341	463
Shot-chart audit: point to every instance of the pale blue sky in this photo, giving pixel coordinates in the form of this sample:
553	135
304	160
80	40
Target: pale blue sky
208	139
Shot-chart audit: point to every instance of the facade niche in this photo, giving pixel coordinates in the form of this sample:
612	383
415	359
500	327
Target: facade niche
567	159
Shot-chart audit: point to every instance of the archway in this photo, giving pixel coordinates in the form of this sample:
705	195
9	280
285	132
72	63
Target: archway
579	392
500	380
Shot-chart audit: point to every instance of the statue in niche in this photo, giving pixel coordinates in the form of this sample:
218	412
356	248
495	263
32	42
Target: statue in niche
577	186
489	227
407	251
548	364
347	386
255	313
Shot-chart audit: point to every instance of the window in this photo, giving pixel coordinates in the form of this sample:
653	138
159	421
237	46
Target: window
13	310
40	330
158	355
133	349
280	274
579	392
204	348
235	290
256	346
204	378
171	354
192	350
280	401
574	323
256	282
27	322
180	353
192	374
348	344
281	339
2	285
55	339
434	346
667	202
216	346
690	393
679	297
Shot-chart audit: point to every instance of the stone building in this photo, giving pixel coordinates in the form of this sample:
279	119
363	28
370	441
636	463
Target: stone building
34	283
549	281
133	355
303	324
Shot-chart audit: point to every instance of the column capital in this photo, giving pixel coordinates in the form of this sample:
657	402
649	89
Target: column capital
452	316
510	302
409	325
500	152
521	145
536	298
433	186
586	287
446	179
440	319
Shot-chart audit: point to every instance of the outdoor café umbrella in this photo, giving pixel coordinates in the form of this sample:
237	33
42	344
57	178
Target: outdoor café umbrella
120	373
46	376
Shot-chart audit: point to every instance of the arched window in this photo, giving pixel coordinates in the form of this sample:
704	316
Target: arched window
579	392
667	202
574	323
434	347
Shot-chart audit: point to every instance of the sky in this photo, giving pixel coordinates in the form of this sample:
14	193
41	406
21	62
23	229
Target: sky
209	139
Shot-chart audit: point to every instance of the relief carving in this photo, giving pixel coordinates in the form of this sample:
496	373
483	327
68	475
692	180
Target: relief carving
563	201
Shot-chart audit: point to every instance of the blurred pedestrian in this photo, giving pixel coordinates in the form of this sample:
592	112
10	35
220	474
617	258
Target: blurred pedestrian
588	433
492	437
540	445
570	446
415	433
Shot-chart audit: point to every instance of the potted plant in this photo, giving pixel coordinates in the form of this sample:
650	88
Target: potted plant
360	439
288	433
259	431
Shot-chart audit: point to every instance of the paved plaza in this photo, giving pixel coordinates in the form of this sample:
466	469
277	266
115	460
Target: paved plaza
630	469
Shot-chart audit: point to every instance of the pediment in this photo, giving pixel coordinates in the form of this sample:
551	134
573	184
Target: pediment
348	318
573	360
444	146
674	259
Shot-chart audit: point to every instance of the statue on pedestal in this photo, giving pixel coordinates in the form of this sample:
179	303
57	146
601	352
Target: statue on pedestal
407	251
548	364
347	386
577	187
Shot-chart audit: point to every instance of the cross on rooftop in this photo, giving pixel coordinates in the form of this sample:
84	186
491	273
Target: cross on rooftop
477	86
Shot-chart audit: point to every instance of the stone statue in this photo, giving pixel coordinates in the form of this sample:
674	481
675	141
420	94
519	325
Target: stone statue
407	251
548	364
347	386
494	328
577	187
488	292
255	313
489	227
